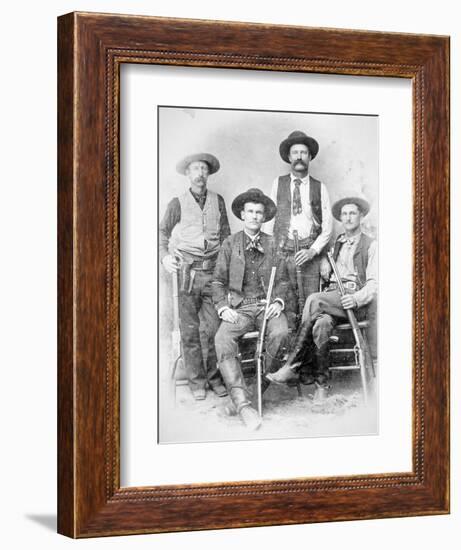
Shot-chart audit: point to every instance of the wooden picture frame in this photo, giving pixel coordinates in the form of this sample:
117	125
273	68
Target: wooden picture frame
92	48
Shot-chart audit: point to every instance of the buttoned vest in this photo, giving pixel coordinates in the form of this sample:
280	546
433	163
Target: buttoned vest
283	215
237	265
197	225
360	256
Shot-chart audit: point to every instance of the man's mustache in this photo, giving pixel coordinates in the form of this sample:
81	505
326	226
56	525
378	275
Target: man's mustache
299	161
200	179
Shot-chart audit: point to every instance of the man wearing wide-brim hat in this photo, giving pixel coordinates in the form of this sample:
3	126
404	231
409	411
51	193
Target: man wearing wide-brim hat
200	218
240	285
355	254
303	211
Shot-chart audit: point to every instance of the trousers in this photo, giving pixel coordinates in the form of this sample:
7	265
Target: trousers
310	274
198	323
321	312
250	317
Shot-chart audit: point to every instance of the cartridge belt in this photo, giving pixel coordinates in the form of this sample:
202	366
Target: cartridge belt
247	301
204	265
348	285
303	244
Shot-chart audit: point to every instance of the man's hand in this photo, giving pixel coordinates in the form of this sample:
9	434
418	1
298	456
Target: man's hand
229	315
325	269
274	310
170	263
304	255
348	301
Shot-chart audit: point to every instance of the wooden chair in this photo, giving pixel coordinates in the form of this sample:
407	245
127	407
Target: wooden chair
344	354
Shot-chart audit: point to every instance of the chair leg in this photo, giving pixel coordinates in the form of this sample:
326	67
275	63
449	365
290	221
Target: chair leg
173	378
363	376
299	388
368	354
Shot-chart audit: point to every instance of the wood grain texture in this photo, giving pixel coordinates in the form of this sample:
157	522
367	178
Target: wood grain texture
91	49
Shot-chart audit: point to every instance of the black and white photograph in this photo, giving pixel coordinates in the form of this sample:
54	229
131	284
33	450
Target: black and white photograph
267	274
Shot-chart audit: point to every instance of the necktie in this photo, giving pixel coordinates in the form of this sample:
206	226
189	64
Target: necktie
254	244
297	206
347	241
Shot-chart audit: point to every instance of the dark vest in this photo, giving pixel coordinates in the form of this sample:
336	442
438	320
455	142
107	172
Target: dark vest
237	265
283	215
360	256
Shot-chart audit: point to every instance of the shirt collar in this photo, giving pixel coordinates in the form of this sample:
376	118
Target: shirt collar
304	180
351	240
198	196
252	238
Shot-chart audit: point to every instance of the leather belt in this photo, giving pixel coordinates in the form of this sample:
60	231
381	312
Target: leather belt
303	244
348	285
204	265
247	301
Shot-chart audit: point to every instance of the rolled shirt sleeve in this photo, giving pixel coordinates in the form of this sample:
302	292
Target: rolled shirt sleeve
327	221
170	219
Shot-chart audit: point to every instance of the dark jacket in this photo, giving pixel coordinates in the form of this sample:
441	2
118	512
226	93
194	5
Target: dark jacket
230	267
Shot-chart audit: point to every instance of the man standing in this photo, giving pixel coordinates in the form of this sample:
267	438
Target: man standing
303	206
200	219
355	255
240	285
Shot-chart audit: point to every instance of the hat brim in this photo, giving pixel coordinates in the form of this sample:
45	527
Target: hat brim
211	160
286	144
258	198
361	203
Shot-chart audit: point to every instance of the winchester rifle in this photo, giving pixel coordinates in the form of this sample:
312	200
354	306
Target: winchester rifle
299	278
260	343
359	342
176	352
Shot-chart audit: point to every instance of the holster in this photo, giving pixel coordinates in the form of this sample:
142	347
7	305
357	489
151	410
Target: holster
185	274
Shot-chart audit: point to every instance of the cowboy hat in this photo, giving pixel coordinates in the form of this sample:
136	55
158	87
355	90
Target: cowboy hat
258	197
211	160
298	137
362	204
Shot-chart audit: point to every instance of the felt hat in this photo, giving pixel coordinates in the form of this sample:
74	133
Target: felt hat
361	203
298	137
211	160
256	196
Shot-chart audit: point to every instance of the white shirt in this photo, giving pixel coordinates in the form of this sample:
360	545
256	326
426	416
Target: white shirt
303	222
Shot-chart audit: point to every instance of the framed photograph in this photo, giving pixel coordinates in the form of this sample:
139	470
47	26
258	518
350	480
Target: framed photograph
253	275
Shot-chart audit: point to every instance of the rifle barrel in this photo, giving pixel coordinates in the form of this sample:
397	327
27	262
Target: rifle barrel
260	344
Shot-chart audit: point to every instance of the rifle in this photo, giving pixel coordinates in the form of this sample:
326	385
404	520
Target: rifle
299	278
359	342
176	352
260	343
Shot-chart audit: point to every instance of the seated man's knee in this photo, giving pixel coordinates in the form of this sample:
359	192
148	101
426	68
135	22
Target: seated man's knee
322	329
312	306
224	341
278	328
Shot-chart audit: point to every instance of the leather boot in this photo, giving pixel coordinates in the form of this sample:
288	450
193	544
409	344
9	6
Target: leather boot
235	384
287	372
322	364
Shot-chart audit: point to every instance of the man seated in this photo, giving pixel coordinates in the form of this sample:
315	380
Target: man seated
355	255
239	288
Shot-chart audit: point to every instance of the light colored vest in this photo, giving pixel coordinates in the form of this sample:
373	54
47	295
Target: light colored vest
197	226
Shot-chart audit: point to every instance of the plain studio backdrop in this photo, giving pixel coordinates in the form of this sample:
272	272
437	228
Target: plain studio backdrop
28	285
